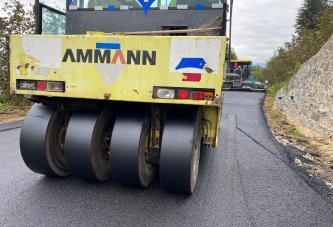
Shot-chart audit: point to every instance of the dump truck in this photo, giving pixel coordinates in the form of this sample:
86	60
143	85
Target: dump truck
122	89
239	77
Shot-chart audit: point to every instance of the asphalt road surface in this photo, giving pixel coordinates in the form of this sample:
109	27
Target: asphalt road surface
248	181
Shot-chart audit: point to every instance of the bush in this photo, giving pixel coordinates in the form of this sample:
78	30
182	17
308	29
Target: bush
19	20
287	60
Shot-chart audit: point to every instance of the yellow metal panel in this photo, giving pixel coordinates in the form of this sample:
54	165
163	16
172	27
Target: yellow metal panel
240	61
211	123
122	76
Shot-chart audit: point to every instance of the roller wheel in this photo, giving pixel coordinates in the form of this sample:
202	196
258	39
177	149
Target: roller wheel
180	150
42	141
129	144
87	144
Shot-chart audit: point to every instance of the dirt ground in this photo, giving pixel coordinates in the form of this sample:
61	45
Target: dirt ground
314	147
12	113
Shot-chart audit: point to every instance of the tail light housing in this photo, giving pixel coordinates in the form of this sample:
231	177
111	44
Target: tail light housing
202	95
183	93
39	85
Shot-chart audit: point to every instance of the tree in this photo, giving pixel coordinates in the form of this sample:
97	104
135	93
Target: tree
287	60
257	73
19	20
233	55
309	13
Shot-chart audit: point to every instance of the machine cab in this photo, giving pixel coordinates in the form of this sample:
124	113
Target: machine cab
131	15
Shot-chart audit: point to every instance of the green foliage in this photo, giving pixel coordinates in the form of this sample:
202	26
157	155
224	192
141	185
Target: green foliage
287	60
18	20
273	89
292	129
325	27
233	55
276	114
297	132
3	106
257	73
307	16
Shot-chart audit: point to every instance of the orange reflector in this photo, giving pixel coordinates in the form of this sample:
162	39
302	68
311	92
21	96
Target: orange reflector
41	85
201	95
182	94
209	96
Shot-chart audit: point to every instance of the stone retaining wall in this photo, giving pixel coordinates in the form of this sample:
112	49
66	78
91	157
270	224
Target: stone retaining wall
308	99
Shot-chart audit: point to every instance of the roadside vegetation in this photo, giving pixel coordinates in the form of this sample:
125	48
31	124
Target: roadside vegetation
257	73
279	122
314	26
233	54
3	107
19	19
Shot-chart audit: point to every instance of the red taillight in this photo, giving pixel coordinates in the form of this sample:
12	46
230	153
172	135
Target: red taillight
41	85
183	94
201	95
198	95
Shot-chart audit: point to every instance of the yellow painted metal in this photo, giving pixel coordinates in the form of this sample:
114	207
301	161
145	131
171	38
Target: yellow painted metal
135	82
240	61
95	33
211	124
114	80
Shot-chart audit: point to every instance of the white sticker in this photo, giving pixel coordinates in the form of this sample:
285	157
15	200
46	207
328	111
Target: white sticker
98	7
72	7
124	7
46	50
42	71
110	72
217	5
195	56
182	6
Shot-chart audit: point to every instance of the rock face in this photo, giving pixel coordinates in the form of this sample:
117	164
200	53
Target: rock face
308	99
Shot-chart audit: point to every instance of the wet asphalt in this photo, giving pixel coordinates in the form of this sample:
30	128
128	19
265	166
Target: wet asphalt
249	180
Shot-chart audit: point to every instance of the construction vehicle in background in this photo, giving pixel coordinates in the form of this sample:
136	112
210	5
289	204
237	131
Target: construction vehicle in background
239	77
122	89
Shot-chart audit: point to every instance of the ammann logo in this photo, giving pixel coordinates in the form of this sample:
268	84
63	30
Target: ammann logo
110	53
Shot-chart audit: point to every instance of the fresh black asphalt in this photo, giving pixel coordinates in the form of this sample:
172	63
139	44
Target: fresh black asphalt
250	180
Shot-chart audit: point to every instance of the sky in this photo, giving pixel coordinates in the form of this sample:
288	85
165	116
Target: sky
259	27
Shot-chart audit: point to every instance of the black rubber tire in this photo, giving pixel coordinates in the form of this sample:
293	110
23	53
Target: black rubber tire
129	140
85	142
41	141
180	150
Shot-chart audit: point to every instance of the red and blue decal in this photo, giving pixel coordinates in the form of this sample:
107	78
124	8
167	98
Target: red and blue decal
198	63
